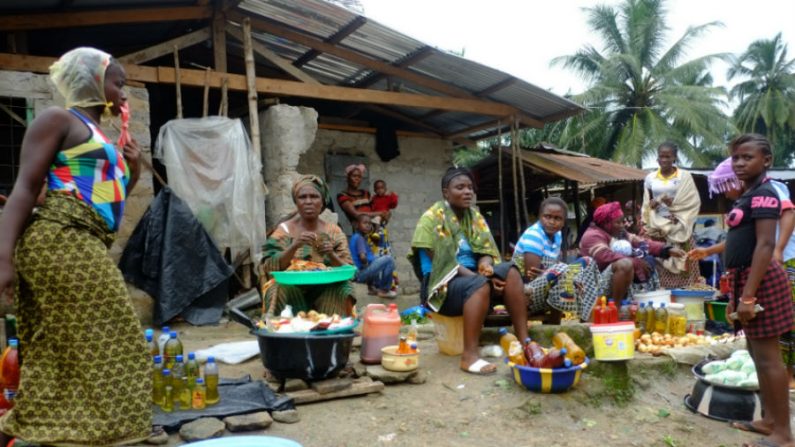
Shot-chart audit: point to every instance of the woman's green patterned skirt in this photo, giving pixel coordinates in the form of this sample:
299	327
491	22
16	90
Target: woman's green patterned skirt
85	376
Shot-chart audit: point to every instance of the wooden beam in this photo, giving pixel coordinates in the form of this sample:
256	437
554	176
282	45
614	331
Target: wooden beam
274	58
405	62
483	126
19	22
219	41
334	39
161	49
353	56
278	87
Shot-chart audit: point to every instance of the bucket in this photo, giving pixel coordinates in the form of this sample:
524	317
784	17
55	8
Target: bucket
657	297
693	301
716	310
614	341
381	328
449	333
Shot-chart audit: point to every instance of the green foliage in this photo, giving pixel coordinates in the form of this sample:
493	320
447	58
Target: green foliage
766	95
467	157
641	93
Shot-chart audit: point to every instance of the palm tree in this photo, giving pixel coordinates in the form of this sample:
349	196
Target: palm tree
767	95
640	94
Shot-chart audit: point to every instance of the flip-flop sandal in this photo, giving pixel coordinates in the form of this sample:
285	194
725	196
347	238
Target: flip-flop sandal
477	368
747	426
761	442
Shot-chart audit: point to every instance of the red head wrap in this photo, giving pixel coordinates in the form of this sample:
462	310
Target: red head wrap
607	213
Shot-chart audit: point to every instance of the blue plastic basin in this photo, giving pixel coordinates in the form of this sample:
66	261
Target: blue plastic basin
247	441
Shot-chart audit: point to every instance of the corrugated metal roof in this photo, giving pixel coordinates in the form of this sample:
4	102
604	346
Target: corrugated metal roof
322	19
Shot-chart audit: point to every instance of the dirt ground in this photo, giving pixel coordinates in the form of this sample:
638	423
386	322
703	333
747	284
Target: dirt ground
454	408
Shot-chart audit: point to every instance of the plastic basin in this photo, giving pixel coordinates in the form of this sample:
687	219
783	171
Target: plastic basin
722	402
693	301
246	441
308	278
716	310
304	356
657	297
546	380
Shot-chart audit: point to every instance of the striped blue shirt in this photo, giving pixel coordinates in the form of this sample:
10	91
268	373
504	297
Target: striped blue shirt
534	240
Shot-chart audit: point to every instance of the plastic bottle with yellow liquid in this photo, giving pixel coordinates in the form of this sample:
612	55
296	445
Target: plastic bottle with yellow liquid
661	319
516	353
211	381
506	338
199	395
158	383
192	369
650	318
185	395
168	393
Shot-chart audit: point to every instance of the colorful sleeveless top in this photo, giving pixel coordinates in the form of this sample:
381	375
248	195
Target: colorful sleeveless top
94	172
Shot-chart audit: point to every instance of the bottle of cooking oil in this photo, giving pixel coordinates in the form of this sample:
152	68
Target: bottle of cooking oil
211	381
505	340
640	318
172	349
151	343
185	396
158	384
192	369
177	374
168	393
661	319
650	317
412	333
677	320
199	394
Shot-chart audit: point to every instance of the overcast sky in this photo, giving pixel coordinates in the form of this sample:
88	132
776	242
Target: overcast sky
521	37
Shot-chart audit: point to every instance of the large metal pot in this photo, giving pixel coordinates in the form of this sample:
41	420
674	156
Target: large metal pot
722	402
300	356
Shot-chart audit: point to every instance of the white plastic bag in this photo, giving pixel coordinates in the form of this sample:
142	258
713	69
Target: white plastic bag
230	353
212	167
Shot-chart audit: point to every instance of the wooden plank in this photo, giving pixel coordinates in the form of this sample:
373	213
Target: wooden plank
483	126
274	58
362	386
19	22
251	87
334	39
219	41
195	78
161	49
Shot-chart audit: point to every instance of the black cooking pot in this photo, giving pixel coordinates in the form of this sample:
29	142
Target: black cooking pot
722	402
300	356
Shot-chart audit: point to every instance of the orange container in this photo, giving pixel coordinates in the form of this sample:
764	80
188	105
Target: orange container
381	328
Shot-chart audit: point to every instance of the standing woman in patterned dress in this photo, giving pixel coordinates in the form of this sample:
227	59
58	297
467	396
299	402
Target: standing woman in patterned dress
85	375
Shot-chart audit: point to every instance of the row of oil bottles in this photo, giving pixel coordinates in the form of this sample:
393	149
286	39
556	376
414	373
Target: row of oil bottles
665	319
178	384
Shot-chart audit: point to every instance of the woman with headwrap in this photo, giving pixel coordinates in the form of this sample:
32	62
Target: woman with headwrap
454	255
670	207
354	200
622	275
86	378
304	236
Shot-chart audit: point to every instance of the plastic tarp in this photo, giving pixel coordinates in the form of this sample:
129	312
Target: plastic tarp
212	167
171	257
240	396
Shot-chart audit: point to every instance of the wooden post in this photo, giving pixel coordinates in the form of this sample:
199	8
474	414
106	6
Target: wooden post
526	215
223	108
177	82
500	188
219	40
205	104
251	81
577	212
515	184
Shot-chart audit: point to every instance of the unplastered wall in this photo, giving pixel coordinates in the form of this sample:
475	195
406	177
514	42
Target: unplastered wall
36	88
415	176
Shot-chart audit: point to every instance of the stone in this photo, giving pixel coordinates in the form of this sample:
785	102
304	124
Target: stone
331	385
378	372
249	422
158	439
295	385
360	369
419	378
286	416
204	428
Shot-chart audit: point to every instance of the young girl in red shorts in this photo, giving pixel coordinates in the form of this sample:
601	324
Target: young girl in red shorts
757	279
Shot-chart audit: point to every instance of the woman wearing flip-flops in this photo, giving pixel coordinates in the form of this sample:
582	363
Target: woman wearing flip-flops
454	254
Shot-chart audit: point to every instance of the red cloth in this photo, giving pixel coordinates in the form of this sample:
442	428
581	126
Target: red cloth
607	213
774	294
596	244
386	202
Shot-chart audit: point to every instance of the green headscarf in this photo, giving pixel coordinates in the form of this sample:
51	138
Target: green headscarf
315	182
439	230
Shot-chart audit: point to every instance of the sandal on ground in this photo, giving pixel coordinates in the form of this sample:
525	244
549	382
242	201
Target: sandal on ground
480	367
764	442
748	426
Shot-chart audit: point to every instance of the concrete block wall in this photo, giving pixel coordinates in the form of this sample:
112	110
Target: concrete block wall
415	176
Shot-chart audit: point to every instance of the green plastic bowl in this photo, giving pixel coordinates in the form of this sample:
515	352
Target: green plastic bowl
334	274
716	310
